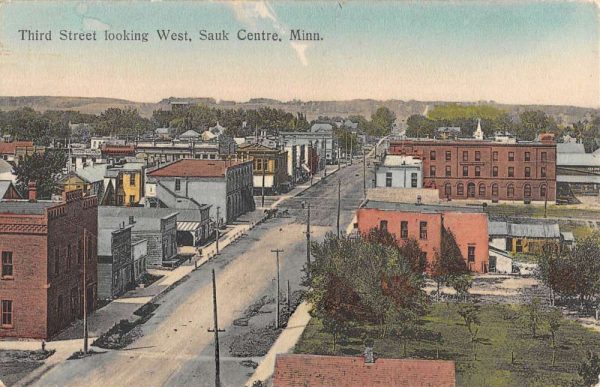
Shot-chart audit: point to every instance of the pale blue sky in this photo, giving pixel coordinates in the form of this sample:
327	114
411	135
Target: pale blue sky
514	52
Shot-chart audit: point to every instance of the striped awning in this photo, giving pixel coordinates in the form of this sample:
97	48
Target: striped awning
188	226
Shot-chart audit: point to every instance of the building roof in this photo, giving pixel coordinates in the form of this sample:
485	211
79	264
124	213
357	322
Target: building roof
423	208
255	147
321	128
24	207
449	129
162	130
195	168
524	230
569	147
581	179
146	219
397	161
578	159
315	370
5	185
93	173
5	166
189	134
11	147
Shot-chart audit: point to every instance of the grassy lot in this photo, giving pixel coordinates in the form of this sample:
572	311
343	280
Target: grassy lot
491	364
537	211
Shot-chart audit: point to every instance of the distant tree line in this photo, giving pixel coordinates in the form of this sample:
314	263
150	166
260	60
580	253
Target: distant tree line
526	126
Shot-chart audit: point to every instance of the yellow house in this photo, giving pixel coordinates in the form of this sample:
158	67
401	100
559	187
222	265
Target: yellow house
270	166
89	179
124	185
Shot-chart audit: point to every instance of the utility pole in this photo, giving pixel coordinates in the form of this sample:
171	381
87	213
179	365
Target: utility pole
546	198
364	172
339	156
277	251
218	224
262	200
308	243
216	331
85	326
289	302
351	138
339	207
325	157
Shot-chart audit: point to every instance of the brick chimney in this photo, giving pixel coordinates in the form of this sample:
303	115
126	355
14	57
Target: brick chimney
32	190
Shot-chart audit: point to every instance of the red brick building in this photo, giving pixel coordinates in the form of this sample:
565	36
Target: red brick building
425	223
42	250
346	371
486	170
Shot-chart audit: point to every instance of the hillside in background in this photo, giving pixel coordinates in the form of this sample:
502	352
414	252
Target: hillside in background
312	109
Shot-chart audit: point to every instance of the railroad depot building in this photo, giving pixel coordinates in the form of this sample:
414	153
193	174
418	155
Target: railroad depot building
486	170
426	223
43	252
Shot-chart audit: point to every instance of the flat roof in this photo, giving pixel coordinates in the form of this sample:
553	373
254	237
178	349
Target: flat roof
414	207
25	207
195	168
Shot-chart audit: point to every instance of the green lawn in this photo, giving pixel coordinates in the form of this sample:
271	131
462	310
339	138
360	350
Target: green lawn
537	211
497	337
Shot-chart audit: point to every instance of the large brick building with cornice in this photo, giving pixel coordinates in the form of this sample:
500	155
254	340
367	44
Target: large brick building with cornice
486	170
42	252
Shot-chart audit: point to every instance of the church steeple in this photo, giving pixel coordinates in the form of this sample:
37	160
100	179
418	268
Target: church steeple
478	135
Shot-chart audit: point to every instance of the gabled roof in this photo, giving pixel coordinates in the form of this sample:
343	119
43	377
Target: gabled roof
5	166
321	127
190	133
195	168
92	174
333	371
6	186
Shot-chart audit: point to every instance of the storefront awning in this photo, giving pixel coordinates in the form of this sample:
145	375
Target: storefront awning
188	226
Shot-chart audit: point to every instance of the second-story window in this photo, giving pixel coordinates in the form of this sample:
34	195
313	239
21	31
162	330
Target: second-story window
432	155
495	156
543	172
527	172
511	171
132	179
404	229
177	184
477	171
432	171
383	225
423	230
465	171
448	155
471	253
448	171
527	156
465	156
388	179
7	264
494	171
477	155
544	156
511	156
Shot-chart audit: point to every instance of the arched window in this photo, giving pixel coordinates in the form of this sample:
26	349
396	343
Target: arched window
543	191
481	189
447	190
471	190
495	190
460	189
510	191
527	190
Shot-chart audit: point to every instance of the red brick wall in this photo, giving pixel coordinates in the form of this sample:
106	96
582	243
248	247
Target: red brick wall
469	229
64	231
27	289
486	163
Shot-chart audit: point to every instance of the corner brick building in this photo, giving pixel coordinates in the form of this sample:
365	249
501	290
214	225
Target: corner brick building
486	170
41	276
426	222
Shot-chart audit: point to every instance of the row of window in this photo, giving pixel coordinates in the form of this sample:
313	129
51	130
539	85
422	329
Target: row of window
510	190
383	225
465	172
413	179
465	156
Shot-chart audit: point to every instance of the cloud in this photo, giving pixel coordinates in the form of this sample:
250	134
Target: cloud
94	24
253	12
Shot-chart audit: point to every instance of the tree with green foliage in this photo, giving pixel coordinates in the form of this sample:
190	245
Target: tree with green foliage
553	320
448	262
589	370
534	122
408	248
420	126
361	281
584	261
532	315
554	270
45	169
461	283
470	316
382	120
